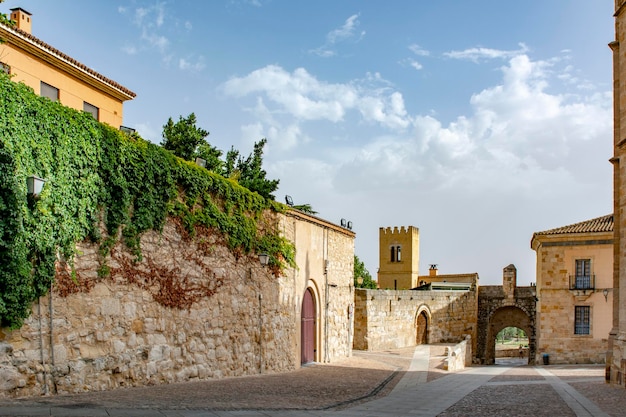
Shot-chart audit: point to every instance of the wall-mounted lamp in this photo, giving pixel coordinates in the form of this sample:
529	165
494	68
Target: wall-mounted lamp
264	258
289	200
201	162
350	224
34	185
344	223
605	292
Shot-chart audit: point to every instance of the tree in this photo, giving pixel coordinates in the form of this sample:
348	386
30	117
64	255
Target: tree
249	172
361	272
184	138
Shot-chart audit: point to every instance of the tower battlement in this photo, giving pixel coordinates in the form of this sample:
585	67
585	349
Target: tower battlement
402	230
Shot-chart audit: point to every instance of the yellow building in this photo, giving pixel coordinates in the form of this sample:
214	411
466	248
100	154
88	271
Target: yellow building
398	261
574	291
53	74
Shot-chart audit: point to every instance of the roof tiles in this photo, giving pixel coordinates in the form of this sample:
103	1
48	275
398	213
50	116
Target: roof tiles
597	225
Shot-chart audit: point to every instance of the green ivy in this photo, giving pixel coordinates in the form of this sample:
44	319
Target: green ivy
97	175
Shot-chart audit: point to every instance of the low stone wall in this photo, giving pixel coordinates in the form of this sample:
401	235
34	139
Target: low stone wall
205	313
386	319
459	356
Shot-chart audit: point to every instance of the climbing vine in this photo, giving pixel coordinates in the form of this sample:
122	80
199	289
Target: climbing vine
97	176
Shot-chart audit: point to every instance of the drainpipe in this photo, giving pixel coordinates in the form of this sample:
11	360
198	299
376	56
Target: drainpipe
260	334
43	360
52	362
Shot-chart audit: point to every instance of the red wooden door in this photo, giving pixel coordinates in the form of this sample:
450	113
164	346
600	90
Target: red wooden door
308	328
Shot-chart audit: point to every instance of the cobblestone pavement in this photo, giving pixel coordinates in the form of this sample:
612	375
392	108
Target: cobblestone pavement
362	385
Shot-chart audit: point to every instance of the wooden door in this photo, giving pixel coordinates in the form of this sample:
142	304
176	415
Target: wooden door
308	328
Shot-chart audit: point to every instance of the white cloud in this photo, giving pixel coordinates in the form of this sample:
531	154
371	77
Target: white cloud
347	32
418	50
188	65
480	53
302	96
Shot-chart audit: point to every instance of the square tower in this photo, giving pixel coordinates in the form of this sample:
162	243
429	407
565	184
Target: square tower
398	262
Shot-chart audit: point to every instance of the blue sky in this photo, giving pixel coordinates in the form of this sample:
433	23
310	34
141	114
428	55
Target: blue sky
479	122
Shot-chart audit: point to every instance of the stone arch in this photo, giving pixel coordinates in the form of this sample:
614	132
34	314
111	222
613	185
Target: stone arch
422	325
508	316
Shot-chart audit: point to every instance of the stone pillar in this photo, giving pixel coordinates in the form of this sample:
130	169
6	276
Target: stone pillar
509	281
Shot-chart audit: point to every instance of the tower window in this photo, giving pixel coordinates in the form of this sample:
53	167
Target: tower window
396	253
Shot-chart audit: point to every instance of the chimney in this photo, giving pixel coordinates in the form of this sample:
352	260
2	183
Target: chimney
22	19
432	271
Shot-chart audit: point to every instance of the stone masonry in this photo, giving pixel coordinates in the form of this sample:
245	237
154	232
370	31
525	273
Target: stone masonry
386	319
238	319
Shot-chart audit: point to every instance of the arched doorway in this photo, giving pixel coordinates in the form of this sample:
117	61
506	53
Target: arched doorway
421	329
307	331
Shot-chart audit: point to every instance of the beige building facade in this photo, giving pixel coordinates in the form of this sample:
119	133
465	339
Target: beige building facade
574	291
53	74
616	355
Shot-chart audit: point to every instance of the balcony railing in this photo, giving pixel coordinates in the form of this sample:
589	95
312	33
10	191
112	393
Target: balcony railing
582	282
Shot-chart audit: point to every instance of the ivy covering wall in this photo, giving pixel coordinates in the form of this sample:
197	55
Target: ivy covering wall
98	176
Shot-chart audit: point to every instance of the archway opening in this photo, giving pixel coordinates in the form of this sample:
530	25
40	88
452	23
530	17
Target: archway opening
511	343
307	330
421	329
518	324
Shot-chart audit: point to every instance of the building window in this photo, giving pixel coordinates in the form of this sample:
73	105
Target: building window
6	68
93	110
46	90
396	253
582	320
583	274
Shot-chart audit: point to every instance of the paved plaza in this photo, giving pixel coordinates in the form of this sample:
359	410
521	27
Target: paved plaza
402	382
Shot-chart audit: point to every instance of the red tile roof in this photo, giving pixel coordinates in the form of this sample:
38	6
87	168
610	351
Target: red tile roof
597	225
48	48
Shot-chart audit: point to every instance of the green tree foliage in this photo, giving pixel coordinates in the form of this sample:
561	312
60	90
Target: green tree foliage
361	272
249	171
95	174
185	140
305	208
4	19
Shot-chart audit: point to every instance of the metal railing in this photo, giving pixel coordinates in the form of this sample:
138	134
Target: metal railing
582	282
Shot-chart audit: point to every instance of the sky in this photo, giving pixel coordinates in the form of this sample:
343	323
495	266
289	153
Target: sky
479	122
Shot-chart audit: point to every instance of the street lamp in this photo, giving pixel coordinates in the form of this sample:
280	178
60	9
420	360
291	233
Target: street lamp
264	258
34	185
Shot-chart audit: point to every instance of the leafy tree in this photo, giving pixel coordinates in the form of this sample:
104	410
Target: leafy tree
305	208
361	272
211	155
5	20
184	138
249	171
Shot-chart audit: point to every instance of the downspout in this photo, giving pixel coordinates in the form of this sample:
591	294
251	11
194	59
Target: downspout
43	360
52	362
326	303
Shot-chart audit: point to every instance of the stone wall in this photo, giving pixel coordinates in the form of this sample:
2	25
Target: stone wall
386	319
127	330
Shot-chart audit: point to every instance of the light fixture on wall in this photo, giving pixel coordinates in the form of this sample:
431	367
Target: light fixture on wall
343	222
289	200
201	162
605	292
350	224
34	185
264	258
